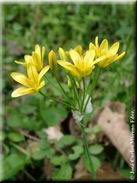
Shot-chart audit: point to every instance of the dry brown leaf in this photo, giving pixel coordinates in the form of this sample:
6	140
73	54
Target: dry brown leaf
74	128
112	120
54	132
105	172
80	172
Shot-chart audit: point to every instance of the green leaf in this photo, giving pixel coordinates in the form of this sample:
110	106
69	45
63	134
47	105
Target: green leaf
17	120
66	140
13	164
16	137
42	153
2	136
96	163
96	149
78	150
27	108
53	115
64	173
38	155
6	149
42	150
58	160
96	129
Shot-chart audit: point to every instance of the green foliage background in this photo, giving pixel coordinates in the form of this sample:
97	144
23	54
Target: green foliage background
54	26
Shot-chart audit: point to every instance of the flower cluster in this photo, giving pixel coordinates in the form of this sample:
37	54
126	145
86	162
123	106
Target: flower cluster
80	63
35	71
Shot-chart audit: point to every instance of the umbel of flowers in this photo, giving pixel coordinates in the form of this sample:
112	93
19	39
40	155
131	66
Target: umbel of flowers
79	65
78	62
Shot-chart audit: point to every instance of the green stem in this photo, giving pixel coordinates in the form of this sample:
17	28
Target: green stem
29	176
76	92
84	92
57	87
54	74
51	83
98	71
92	171
19	148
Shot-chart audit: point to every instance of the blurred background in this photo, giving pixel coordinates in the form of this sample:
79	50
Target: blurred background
27	118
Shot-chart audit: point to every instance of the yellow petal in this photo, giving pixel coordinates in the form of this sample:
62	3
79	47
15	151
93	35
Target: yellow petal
114	48
18	62
69	67
35	62
104	44
89	71
120	56
89	56
42	83
28	59
96	42
91	46
38	50
32	73
38	55
100	59
78	49
43	71
22	91
34	57
20	78
74	56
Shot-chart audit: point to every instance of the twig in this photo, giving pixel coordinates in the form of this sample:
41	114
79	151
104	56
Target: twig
28	135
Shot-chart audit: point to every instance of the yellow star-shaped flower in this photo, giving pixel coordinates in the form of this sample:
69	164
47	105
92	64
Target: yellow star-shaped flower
37	58
82	64
31	83
110	54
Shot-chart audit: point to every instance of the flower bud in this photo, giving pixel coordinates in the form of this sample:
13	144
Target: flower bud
52	59
69	82
62	54
77	83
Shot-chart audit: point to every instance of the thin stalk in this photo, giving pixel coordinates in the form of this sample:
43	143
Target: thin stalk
60	101
76	93
72	96
29	175
51	83
92	171
84	94
60	85
72	90
93	85
19	148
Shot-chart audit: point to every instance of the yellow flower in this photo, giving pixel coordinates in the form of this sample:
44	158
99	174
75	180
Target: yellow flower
82	65
31	83
52	59
110	54
36	59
